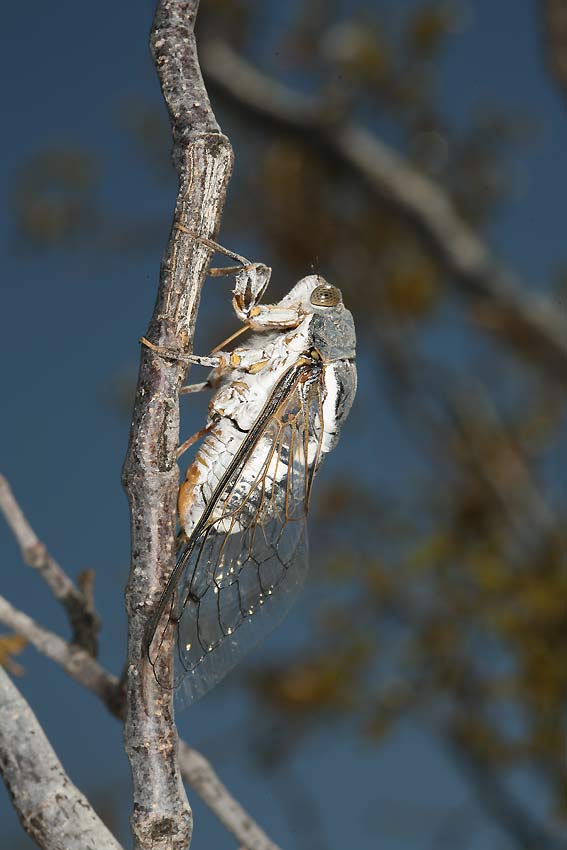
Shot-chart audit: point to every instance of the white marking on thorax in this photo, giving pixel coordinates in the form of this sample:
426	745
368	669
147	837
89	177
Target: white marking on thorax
238	407
330	408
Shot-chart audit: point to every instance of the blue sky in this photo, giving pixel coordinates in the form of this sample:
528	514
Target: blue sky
63	443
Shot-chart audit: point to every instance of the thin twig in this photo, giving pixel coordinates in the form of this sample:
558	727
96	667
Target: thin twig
195	768
51	809
203	780
78	663
502	304
78	603
162	818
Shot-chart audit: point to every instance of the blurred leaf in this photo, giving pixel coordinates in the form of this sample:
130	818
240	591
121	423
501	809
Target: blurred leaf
429	26
320	683
413	291
12	645
359	50
53	195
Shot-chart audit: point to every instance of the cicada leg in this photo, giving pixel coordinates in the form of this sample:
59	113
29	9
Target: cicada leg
213	362
192	440
195	388
251	278
251	282
230	338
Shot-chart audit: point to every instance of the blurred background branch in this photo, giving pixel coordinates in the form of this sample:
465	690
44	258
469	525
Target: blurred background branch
505	307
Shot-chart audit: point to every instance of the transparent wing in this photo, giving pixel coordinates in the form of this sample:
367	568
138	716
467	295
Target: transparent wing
241	571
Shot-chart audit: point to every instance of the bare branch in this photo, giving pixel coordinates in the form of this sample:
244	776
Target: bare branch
502	303
78	603
51	809
175	56
78	663
195	769
202	778
203	158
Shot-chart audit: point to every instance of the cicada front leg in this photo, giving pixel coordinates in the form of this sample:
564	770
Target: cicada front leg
251	283
252	280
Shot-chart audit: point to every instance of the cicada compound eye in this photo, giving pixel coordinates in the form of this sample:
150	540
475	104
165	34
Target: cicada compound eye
326	295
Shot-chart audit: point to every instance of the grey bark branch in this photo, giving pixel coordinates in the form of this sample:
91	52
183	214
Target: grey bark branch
162	818
78	603
195	769
51	809
175	56
78	663
503	305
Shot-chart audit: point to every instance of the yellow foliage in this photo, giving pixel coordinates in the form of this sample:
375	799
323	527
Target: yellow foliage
428	27
319	683
428	553
489	571
412	291
11	645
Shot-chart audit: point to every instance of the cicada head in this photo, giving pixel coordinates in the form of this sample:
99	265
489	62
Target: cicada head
331	326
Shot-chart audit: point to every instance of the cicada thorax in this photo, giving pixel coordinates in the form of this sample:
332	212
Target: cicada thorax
254	490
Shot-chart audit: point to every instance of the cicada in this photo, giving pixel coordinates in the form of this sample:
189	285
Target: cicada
278	406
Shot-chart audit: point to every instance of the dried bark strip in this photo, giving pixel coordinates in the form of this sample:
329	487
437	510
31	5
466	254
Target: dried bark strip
203	158
84	620
51	809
